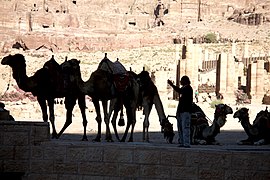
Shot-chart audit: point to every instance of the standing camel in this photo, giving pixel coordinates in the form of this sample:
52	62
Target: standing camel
258	132
47	84
150	97
101	87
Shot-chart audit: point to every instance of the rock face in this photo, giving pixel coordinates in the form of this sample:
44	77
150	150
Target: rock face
101	24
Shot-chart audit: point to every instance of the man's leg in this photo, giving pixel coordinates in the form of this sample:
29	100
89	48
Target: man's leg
186	128
180	132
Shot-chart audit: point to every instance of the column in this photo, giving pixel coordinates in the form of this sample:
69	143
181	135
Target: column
252	78
190	54
222	73
259	77
231	80
197	60
233	49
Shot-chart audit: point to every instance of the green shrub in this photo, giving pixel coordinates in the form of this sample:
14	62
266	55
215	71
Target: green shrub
215	102
210	38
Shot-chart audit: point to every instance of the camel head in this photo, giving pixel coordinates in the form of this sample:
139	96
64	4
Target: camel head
167	129
223	109
144	78
14	61
221	113
242	114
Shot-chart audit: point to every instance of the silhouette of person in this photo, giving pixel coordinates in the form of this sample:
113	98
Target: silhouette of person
197	96
159	13
184	109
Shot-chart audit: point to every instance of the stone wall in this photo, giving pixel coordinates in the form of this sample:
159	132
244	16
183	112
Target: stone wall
23	156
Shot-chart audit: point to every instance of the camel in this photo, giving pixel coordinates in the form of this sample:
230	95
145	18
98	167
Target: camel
147	97
47	84
259	132
101	87
201	132
150	97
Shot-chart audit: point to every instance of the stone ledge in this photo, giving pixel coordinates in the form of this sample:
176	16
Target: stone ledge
27	152
23	132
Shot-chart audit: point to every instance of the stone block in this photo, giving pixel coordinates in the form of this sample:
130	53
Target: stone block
129	170
16	138
21	152
98	168
7	152
173	158
23	133
65	168
37	152
209	173
146	156
57	153
257	174
184	172
41	166
73	177
256	161
234	174
118	155
41	176
210	160
39	134
155	171
78	153
16	166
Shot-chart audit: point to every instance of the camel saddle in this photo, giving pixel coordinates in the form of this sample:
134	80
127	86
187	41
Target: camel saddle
120	82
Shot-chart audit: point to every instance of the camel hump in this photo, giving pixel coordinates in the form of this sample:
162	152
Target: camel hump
52	65
55	73
118	68
112	67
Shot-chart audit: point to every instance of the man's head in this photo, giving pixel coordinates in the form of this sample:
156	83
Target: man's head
185	80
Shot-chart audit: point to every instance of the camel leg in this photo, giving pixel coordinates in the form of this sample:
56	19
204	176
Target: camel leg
69	103
98	119
42	103
82	105
52	117
43	106
107	121
146	109
132	130
114	106
131	121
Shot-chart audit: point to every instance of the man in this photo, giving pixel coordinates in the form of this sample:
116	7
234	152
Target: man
159	13
197	96
184	108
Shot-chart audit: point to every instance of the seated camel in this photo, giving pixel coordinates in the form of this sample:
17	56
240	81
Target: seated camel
259	132
201	131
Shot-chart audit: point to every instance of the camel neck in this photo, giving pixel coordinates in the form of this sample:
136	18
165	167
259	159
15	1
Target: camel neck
21	78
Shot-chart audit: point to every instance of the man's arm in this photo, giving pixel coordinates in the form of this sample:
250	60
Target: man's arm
177	89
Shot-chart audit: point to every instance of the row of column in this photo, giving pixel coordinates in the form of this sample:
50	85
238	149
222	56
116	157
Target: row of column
229	73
